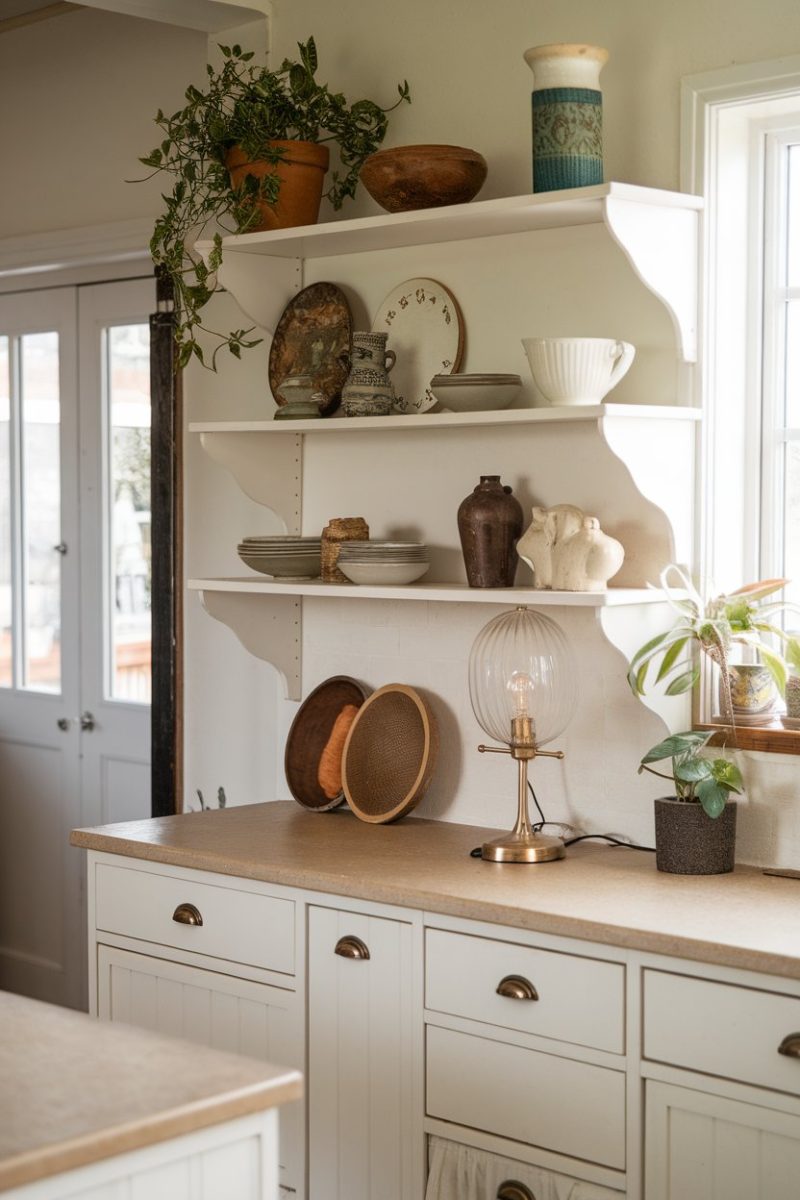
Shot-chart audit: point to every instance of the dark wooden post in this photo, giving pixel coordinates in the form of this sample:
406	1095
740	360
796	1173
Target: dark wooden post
167	557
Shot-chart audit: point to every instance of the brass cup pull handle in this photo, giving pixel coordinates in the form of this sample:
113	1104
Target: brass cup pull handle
512	1189
790	1046
351	947
517	987
187	914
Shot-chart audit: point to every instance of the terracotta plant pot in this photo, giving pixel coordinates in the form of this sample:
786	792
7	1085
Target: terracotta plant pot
689	842
405	178
301	173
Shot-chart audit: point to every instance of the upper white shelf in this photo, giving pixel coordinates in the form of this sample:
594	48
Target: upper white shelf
457	222
450	420
658	231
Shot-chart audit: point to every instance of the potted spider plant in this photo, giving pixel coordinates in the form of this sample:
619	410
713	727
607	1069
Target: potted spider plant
250	151
696	827
714	626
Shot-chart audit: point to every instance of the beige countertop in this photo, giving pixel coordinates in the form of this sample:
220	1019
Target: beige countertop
78	1090
601	893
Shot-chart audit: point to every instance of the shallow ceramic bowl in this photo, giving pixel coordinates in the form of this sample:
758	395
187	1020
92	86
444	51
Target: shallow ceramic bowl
475	393
392	574
405	178
284	566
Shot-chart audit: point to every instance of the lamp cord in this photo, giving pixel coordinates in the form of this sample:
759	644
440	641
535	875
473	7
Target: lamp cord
581	837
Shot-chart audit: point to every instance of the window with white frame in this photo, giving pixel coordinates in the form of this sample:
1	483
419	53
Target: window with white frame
741	151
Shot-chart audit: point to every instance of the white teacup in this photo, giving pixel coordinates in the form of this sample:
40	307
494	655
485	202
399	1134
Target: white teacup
577	370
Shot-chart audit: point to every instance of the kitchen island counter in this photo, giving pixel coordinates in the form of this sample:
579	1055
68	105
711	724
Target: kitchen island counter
600	893
78	1091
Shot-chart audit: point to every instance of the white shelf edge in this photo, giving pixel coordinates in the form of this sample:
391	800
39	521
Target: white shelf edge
512	416
447	592
481	218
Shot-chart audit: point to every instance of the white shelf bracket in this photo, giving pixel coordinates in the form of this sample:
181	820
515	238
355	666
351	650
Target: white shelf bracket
261	294
662	243
627	635
270	627
268	470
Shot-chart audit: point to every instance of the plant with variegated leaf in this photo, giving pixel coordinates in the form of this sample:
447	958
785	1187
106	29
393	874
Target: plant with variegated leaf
697	779
711	627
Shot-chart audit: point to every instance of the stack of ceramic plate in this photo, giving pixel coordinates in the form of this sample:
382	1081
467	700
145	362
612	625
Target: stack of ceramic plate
395	563
283	557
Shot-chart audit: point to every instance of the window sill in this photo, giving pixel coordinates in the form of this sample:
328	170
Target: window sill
772	738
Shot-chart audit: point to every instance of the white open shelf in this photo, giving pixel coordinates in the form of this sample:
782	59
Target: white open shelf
448	592
453	420
457	222
658	231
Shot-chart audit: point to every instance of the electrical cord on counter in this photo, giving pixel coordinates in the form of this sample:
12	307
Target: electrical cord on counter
581	837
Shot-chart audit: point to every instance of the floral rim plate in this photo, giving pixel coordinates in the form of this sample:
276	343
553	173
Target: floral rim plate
426	332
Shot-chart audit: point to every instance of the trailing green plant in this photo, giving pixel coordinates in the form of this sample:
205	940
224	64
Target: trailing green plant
697	779
251	107
711	626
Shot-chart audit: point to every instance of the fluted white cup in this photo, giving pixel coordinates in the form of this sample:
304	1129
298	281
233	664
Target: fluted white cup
577	370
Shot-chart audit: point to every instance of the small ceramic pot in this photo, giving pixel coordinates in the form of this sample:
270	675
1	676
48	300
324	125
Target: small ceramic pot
368	391
489	523
689	842
752	689
300	170
793	696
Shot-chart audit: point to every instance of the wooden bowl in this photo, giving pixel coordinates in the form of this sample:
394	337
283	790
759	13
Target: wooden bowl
309	734
405	178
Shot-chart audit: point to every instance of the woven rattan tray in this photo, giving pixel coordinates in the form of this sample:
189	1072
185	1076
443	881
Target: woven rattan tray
390	754
308	737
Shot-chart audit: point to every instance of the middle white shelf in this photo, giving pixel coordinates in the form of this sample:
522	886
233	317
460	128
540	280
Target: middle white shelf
446	592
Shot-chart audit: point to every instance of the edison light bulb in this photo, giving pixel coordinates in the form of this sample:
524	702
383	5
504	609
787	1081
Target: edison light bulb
521	687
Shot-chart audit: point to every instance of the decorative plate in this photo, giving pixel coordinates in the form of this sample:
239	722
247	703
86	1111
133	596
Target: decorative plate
426	332
314	330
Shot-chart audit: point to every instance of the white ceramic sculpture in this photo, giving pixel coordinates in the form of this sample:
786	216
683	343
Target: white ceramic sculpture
568	551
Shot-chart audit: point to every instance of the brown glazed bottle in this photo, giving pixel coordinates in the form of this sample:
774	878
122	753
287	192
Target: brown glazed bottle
489	524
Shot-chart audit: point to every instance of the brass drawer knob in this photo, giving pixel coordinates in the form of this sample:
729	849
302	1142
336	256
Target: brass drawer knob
512	1189
351	947
187	914
790	1046
517	987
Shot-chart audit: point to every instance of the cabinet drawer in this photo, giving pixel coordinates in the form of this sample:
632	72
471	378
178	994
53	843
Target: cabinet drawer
569	1107
721	1029
580	1000
239	926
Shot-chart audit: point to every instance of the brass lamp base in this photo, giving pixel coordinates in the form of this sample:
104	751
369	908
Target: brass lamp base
521	848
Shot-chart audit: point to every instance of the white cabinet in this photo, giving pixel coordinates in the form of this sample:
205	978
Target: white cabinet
707	1147
362	1054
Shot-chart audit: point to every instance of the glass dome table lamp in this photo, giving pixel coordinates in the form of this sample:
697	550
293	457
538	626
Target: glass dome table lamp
523	690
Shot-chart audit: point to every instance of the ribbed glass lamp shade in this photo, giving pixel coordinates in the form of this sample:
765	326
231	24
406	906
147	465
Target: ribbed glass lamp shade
521	665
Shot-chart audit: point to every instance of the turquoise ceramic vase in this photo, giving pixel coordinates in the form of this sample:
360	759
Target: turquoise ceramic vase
567	115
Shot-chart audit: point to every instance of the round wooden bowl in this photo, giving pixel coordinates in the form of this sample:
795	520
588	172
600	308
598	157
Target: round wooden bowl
308	737
405	178
390	754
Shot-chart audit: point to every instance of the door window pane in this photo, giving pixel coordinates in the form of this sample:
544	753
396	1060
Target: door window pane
40	412
129	501
6	610
792	414
791	528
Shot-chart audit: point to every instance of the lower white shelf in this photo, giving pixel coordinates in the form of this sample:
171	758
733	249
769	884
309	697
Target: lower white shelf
449	592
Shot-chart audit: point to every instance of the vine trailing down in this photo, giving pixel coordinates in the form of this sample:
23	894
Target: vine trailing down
251	108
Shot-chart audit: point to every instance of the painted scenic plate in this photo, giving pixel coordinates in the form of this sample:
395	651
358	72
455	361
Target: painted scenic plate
314	331
426	332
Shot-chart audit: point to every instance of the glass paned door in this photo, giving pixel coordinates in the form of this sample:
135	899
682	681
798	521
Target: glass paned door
128	511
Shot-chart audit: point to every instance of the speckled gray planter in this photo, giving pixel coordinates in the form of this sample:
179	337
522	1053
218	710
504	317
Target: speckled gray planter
688	842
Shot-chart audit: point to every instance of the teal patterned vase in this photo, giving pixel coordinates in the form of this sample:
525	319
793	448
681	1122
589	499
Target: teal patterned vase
567	115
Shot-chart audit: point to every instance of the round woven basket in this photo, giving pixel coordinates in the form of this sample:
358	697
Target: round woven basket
309	734
390	754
